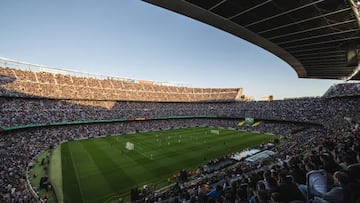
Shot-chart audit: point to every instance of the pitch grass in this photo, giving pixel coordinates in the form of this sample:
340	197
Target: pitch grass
99	170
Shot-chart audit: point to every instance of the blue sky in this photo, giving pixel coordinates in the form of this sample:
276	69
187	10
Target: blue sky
133	39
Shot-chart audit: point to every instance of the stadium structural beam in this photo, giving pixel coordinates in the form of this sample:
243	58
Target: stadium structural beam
313	49
316	61
304	21
324	64
249	9
355	72
319	36
216	5
316	54
320	57
283	13
312	29
326	67
356	9
323	42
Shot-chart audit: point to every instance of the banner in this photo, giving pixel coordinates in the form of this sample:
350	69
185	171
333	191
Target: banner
241	123
249	121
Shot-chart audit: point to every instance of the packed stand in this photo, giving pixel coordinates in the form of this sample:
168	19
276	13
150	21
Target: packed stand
322	111
17	83
343	90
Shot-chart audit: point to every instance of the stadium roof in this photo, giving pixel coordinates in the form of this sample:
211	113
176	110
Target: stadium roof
318	38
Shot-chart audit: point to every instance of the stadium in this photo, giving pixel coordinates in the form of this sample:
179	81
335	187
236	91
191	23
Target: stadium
69	136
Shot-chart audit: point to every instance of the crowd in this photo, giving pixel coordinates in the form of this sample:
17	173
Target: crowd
27	111
343	90
16	83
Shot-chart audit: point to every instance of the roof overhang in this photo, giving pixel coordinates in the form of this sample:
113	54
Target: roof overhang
317	38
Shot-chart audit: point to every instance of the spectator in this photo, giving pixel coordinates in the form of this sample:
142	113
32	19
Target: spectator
288	190
339	193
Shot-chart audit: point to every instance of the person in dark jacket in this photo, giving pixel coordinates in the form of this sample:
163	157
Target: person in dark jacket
288	191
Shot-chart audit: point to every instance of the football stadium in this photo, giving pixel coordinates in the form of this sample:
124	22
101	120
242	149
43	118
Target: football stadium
71	136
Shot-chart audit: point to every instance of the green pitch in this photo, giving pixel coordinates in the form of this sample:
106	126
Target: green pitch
100	170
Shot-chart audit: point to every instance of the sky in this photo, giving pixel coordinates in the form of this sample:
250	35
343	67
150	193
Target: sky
134	39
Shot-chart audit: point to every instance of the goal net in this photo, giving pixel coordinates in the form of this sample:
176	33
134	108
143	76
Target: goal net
129	146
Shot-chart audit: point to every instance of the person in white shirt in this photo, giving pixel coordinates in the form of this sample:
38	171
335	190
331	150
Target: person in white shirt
317	182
